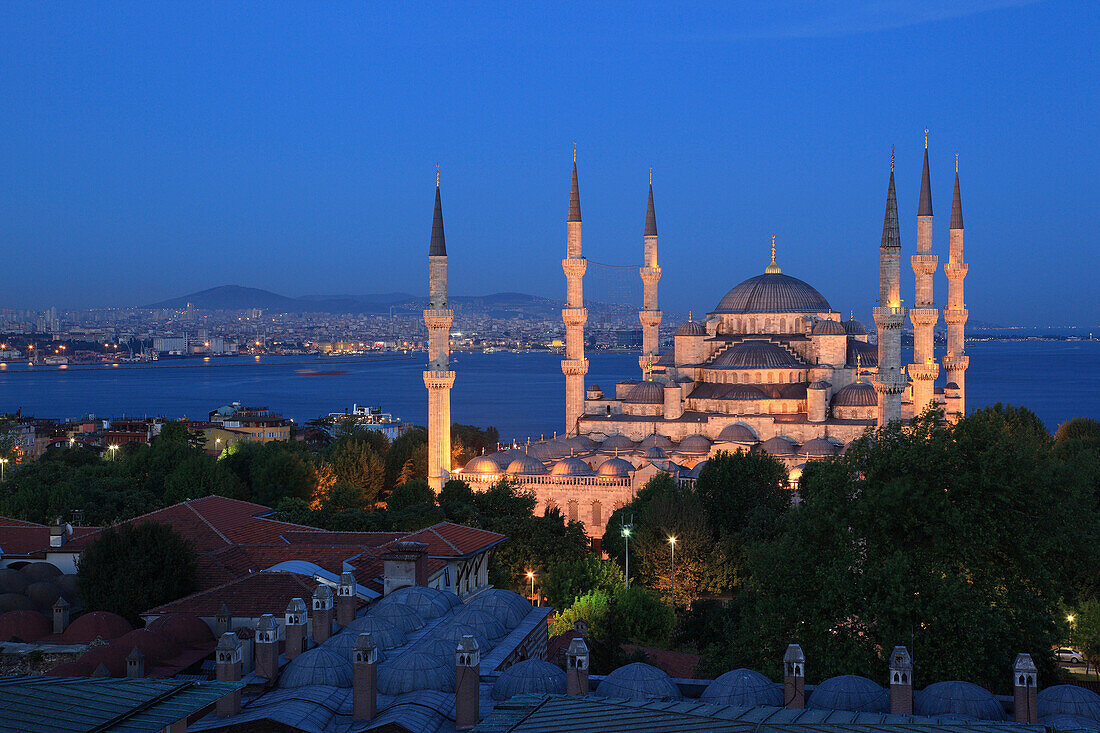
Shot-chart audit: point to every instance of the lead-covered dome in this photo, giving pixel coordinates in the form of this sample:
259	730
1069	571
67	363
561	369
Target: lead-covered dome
829	328
319	666
961	699
736	433
646	393
743	687
616	442
692	328
571	467
526	466
507	606
638	681
856	394
755	355
780	445
850	692
616	467
773	292
415	671
482	464
695	443
1069	700
529	676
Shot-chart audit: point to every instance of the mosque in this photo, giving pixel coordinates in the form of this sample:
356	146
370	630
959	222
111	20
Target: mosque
772	368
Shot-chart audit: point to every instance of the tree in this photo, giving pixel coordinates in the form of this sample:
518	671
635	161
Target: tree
404	457
410	494
567	580
358	465
535	543
131	568
594	607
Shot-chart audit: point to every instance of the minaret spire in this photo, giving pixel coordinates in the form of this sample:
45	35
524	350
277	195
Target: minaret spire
924	205
889	315
438	377
575	192
574	315
438	245
924	370
650	272
955	361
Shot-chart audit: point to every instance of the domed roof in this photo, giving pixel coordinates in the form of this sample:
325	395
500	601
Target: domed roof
36	571
110	656
530	675
850	692
485	623
826	327
820	384
43	593
580	442
527	465
692	328
655	453
558	448
1070	700
571	467
26	626
97	624
736	433
385	633
156	646
961	699
444	639
696	469
12	581
543	450
660	441
482	464
773	293
1067	722
856	394
638	681
343	643
427	603
183	628
743	687
818	448
617	467
416	671
16	602
755	354
398	614
319	666
507	606
615	442
694	443
854	328
646	393
778	446
70	587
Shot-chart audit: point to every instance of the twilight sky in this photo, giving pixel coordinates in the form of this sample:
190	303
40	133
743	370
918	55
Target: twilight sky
152	149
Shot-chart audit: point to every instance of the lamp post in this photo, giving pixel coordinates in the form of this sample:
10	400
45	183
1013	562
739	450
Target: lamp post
626	537
531	577
672	591
3	466
114	451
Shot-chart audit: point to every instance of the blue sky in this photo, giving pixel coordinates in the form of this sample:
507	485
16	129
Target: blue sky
152	149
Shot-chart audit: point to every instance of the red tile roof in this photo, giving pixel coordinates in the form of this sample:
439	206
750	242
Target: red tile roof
251	596
320	536
12	522
448	539
27	539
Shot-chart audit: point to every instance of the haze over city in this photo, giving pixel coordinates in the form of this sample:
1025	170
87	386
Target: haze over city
152	150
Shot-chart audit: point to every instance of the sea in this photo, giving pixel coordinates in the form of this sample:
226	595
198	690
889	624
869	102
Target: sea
521	394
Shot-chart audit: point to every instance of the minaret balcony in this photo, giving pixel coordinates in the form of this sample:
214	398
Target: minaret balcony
886	317
884	384
439	379
924	264
650	274
924	372
955	316
955	270
574	266
650	318
574	367
957	363
924	316
574	316
440	318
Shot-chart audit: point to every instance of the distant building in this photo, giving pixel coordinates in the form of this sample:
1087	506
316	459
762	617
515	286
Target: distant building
259	424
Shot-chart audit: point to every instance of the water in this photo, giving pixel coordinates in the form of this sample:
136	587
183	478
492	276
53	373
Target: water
521	394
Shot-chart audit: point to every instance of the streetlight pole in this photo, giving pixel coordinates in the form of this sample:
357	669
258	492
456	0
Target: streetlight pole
531	577
672	591
626	536
3	466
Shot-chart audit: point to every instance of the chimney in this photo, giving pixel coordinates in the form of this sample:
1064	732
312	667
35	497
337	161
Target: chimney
322	613
405	563
346	599
267	647
135	664
60	615
364	684
59	532
901	681
1025	690
467	683
794	678
295	628
223	622
228	663
576	668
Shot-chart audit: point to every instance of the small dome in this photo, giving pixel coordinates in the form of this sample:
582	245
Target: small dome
70	587
743	687
482	464
820	384
36	571
616	467
110	656
558	448
951	385
43	594
444	640
856	394
736	433
415	671
692	328
427	603
581	443
646	393
694	443
184	629
655	453
319	666
818	448
571	467
773	292
504	457
24	626
655	440
485	623
12	581
155	645
780	445
543	450
96	625
343	643
850	692
696	469
1069	700
526	466
16	602
616	442
509	607
638	681
385	634
398	614
756	354
961	699
829	328
529	676
1067	722
852	327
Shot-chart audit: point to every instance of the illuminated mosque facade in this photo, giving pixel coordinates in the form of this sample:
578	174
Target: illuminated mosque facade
771	368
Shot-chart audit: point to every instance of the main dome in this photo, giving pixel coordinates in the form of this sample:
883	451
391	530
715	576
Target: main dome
773	292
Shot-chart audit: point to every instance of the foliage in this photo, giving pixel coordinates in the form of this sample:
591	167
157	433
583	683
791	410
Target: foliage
594	607
131	568
565	581
409	494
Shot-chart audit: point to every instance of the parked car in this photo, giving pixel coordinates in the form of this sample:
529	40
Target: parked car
1069	656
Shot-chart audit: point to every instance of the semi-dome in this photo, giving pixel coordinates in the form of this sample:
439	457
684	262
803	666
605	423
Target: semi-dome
743	687
850	692
820	384
818	448
529	676
960	699
23	626
856	394
773	293
616	442
185	629
526	466
780	445
37	571
756	354
399	615
428	603
615	467
571	467
385	633
1069	700
96	625
319	666
646	393
416	671
482	464
638	681
694	443
736	433
852	327
692	328
826	327
506	605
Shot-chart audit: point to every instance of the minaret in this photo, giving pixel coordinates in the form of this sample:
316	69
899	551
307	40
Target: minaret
924	369
575	315
889	315
956	360
438	377
650	314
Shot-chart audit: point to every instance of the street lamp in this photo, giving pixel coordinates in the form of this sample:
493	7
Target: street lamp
3	465
531	577
114	451
672	592
626	536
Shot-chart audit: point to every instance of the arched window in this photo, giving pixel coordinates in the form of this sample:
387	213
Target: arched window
574	512
597	514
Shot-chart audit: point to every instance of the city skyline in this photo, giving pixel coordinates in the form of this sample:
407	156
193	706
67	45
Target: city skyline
227	149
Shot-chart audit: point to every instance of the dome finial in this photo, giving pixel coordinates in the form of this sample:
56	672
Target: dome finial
772	269
651	174
926	138
437	175
574	151
956	162
689	316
